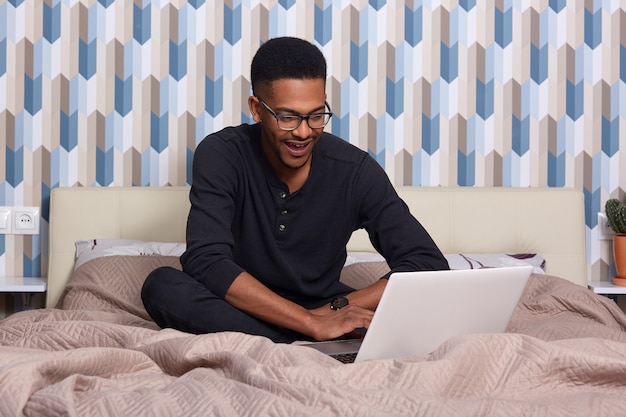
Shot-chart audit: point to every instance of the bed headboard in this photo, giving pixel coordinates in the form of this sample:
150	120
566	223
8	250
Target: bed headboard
547	221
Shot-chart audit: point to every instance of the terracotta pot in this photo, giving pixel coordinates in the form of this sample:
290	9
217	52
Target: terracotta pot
619	255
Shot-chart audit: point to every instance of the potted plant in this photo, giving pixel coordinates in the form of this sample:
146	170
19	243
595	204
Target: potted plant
616	215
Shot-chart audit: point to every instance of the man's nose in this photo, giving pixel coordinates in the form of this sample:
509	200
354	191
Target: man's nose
304	130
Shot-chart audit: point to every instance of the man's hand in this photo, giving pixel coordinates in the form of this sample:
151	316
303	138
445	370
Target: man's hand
329	324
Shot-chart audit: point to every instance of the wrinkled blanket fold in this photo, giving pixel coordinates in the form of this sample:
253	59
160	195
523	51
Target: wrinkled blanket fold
564	354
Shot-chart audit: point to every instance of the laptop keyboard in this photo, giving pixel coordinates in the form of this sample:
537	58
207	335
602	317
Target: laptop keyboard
345	357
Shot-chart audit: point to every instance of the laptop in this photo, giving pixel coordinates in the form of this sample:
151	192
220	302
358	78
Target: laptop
418	311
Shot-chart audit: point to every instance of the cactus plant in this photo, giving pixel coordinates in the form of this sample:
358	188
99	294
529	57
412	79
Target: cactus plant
616	215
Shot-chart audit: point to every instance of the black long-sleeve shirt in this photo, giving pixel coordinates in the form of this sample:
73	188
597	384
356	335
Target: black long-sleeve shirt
243	218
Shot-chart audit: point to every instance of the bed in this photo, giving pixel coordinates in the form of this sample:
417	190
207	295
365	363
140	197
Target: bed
94	351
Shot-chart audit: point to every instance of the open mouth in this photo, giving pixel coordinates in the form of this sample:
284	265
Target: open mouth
297	148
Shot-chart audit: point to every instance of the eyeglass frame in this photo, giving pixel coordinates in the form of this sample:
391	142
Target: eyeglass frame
302	117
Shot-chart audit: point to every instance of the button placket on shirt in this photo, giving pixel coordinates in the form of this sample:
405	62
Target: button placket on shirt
283	212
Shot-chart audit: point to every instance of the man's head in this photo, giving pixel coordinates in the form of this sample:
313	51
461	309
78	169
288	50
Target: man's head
285	58
289	101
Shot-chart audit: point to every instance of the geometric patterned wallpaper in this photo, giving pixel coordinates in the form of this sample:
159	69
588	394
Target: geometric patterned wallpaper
469	93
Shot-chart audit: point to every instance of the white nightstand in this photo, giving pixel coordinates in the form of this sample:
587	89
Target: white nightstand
23	284
606	288
614	292
27	286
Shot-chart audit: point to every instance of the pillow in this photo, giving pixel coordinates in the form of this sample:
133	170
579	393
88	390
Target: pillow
113	283
87	250
466	261
495	260
364	268
359	275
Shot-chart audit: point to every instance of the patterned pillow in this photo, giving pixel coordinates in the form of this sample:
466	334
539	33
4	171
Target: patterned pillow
87	250
495	260
364	268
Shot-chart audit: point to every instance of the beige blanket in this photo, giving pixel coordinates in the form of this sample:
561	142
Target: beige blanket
100	355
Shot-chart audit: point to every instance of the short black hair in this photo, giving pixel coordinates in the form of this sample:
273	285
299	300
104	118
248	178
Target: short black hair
286	58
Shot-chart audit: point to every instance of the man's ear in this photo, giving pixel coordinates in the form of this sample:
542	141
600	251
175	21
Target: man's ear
255	108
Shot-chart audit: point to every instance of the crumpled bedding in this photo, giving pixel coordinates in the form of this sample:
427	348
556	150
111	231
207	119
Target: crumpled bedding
564	354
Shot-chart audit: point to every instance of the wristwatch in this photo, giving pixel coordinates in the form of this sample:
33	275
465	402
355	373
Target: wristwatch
339	303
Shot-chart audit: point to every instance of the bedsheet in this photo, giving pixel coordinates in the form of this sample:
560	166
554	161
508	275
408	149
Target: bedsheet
564	354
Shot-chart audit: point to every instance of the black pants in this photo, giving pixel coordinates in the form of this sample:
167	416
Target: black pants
174	299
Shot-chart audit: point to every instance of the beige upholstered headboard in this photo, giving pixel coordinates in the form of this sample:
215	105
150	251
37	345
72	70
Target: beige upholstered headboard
549	222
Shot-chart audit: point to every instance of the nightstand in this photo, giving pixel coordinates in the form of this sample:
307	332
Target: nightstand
606	288
27	286
23	284
610	290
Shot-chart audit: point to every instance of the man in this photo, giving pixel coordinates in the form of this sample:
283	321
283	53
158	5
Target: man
272	207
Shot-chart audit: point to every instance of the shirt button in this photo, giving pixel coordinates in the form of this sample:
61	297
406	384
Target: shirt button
283	194
282	227
284	212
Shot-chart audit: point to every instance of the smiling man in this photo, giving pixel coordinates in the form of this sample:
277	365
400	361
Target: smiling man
273	206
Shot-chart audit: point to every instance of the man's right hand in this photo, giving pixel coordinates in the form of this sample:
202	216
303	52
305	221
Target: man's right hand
327	324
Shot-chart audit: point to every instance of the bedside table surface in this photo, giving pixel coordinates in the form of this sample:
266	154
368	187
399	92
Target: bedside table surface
23	284
606	287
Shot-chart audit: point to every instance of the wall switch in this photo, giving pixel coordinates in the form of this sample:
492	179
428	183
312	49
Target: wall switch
25	220
5	220
604	231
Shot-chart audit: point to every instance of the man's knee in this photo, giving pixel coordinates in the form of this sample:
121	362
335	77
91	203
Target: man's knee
156	281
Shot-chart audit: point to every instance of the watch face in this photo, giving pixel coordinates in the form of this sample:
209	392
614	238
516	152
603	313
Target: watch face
339	303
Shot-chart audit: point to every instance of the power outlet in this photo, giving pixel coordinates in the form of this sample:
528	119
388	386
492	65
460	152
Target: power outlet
25	220
604	231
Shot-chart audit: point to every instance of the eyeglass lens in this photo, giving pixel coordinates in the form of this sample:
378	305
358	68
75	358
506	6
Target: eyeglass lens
315	121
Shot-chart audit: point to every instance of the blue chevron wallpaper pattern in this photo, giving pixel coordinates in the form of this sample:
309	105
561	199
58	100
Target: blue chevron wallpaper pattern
471	93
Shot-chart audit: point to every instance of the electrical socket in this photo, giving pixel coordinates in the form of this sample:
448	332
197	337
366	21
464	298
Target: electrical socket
25	220
604	231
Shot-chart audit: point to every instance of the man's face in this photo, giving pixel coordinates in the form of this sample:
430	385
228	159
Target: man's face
289	151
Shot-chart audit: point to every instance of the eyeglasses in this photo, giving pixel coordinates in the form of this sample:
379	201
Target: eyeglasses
292	121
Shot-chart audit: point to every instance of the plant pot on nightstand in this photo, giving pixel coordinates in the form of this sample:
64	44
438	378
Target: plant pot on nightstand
619	256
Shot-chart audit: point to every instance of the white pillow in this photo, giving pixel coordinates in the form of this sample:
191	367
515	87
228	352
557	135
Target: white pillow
87	250
495	260
468	261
